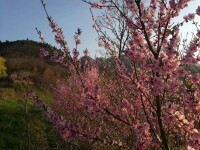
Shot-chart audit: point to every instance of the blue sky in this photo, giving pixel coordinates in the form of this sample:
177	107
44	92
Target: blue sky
18	19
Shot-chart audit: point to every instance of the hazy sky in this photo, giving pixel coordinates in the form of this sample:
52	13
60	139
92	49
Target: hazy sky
18	19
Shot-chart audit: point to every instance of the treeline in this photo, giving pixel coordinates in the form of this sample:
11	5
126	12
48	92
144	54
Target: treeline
22	58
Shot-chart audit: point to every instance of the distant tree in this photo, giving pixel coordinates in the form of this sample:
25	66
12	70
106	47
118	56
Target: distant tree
3	68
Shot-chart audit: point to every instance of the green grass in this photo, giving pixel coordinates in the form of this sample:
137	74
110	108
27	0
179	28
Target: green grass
13	124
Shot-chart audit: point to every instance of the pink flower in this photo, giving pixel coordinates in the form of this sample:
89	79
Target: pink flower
100	43
75	53
198	33
66	48
75	37
97	5
31	95
136	123
109	46
195	78
198	10
13	76
86	52
53	26
43	52
198	58
94	5
189	17
78	41
42	37
172	3
190	148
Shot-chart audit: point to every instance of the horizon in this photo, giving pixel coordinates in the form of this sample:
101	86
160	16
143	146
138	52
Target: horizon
18	22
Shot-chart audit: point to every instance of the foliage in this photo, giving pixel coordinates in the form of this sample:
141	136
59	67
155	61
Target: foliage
13	125
3	68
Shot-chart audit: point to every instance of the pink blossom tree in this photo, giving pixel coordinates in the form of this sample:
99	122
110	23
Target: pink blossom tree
111	27
154	104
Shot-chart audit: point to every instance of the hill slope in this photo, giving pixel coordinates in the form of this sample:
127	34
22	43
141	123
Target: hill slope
22	57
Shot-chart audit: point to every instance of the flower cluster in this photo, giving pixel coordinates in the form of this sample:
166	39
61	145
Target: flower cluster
43	52
149	98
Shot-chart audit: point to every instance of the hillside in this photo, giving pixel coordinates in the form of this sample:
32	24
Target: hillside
22	58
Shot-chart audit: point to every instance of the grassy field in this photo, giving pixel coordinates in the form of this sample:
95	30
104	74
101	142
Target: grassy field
13	124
